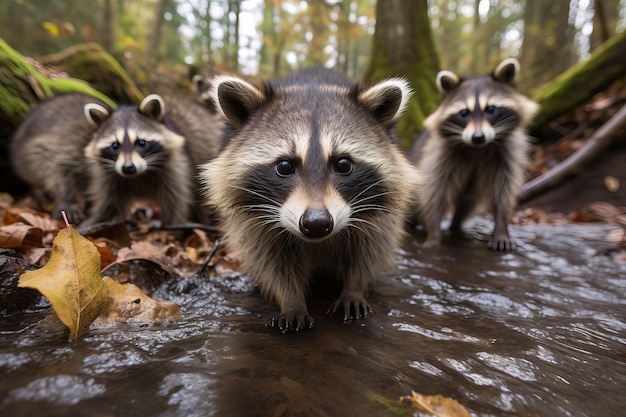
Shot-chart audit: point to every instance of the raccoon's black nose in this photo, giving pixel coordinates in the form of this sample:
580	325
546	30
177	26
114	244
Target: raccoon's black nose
129	168
316	223
478	138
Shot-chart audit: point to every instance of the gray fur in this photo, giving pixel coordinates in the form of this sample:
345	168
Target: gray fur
298	119
483	163
46	151
187	135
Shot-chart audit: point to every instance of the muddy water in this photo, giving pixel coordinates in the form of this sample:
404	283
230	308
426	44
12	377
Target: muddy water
538	332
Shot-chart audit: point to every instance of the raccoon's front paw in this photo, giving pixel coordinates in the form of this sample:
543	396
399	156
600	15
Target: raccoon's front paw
292	322
354	306
503	243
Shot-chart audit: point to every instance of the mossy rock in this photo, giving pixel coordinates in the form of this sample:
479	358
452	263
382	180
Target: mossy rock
90	62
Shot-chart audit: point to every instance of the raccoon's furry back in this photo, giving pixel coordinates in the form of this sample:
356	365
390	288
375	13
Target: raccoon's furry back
46	151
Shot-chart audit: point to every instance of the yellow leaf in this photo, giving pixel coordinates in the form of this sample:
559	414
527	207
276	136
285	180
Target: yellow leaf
128	304
71	281
51	28
435	405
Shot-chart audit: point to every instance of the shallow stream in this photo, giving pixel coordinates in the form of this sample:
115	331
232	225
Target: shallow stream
537	332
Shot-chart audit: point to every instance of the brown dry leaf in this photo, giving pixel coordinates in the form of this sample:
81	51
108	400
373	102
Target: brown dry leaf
435	405
33	218
35	256
169	257
71	281
598	211
128	304
20	235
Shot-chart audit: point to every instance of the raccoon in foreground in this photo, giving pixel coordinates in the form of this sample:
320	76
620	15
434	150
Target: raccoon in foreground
46	151
150	152
475	150
310	184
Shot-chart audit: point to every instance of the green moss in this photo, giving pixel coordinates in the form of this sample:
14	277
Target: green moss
19	79
91	63
582	81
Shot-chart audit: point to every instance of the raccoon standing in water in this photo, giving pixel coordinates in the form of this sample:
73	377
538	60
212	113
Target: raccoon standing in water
475	150
46	151
310	182
150	152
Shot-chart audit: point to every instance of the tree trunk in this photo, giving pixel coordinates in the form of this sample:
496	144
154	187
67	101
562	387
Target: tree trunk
581	82
403	45
548	40
108	35
154	39
605	17
318	29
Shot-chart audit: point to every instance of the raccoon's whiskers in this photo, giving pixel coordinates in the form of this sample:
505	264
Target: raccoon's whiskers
247	190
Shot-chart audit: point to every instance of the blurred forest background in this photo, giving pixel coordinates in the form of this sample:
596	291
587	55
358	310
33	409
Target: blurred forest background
572	52
269	38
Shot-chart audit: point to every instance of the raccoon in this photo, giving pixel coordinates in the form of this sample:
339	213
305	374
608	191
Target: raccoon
474	150
150	152
311	184
201	87
46	151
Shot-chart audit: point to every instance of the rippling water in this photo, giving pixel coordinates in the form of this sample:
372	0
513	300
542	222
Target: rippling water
537	332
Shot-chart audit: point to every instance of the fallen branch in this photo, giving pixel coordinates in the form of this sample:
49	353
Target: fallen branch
598	142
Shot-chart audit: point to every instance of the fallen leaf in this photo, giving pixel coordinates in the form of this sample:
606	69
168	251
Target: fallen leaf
71	281
33	218
435	405
20	235
35	256
169	257
128	304
598	211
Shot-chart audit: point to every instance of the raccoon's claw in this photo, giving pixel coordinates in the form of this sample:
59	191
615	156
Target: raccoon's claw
287	322
354	307
502	243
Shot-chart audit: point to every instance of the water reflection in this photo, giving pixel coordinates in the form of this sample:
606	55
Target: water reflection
538	332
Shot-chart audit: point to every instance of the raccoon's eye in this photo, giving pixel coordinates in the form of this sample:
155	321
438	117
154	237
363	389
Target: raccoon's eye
141	143
464	113
285	168
115	145
343	166
490	109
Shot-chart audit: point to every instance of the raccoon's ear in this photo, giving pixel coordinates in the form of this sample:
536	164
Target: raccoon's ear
198	80
506	70
236	99
152	106
447	81
95	113
387	99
